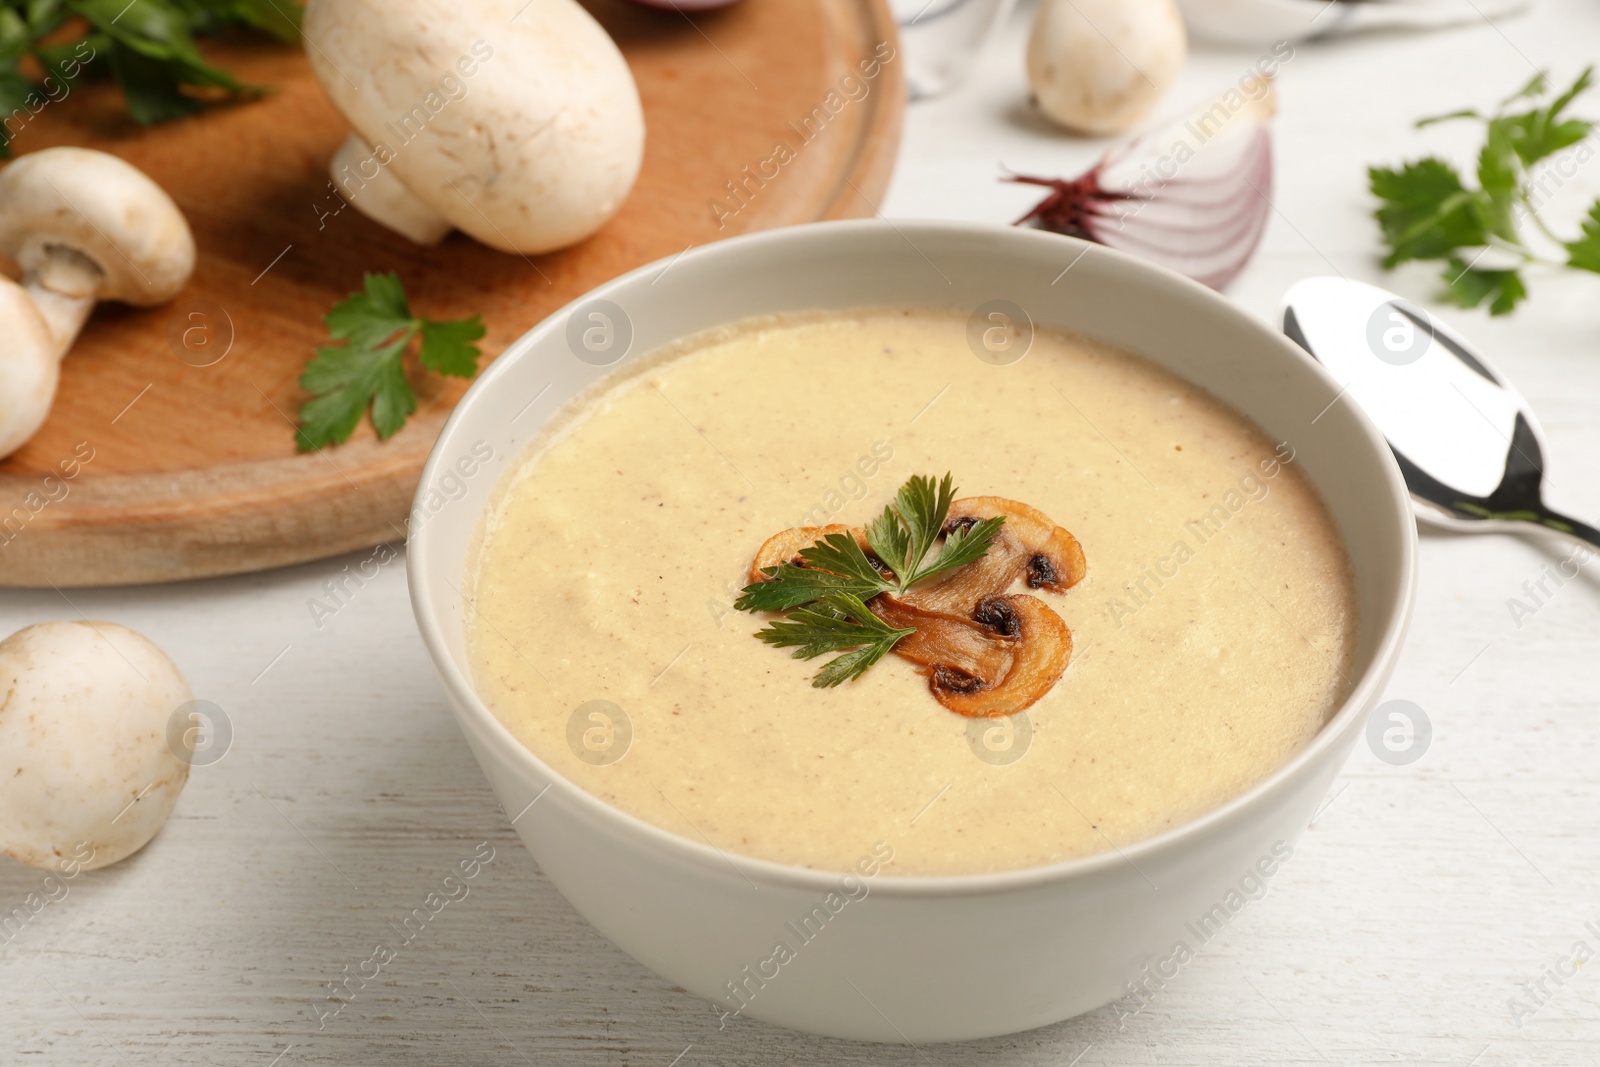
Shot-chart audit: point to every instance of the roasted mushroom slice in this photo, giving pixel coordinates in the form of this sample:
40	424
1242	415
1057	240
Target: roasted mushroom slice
786	546
1028	546
955	646
998	662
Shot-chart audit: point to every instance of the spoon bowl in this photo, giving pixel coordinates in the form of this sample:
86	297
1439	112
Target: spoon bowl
1467	442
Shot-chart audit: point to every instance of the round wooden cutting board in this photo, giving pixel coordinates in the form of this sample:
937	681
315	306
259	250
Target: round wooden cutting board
170	451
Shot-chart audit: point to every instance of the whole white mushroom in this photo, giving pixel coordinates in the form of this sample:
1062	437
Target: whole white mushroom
1099	66
86	767
518	123
87	226
84	226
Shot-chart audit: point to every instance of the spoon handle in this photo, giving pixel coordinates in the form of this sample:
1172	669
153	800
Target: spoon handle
1573	528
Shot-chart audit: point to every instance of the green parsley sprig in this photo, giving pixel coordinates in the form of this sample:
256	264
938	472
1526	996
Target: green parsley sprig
1428	212
840	622
148	47
368	370
826	598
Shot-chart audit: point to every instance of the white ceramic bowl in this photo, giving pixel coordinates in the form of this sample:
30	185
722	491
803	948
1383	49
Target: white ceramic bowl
919	959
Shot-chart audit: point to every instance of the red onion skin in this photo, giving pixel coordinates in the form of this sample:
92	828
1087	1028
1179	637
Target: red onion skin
1212	245
1070	207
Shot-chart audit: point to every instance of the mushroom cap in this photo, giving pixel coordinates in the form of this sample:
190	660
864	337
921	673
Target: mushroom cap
533	150
103	208
29	367
1098	66
85	763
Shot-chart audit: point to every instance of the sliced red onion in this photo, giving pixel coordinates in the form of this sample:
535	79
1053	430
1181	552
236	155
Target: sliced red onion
1194	196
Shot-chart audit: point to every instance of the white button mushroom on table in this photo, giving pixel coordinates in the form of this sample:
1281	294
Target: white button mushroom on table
89	769
517	123
84	226
1099	66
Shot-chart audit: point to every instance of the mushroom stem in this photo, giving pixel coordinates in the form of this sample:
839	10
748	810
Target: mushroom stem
65	315
63	288
384	198
29	370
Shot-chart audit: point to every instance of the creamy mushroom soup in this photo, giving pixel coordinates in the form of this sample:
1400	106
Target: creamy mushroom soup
1210	638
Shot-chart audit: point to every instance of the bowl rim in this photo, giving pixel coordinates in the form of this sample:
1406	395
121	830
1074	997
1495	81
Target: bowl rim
473	713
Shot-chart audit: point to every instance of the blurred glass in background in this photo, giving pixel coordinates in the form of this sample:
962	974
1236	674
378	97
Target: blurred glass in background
941	38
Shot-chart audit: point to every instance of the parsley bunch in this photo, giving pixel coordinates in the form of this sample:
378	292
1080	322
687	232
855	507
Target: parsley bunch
368	371
148	46
826	598
1427	211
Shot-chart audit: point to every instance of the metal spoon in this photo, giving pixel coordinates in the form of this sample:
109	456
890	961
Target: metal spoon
1466	441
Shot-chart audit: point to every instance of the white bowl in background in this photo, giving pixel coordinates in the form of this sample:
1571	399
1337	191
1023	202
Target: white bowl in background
933	958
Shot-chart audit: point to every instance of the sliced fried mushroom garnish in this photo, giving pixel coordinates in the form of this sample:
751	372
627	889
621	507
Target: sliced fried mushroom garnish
999	662
1043	648
985	653
786	546
1028	546
955	646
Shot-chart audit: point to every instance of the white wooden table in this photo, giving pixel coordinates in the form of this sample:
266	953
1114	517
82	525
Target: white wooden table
1416	903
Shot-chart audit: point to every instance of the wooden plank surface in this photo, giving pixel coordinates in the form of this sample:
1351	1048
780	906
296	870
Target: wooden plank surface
193	468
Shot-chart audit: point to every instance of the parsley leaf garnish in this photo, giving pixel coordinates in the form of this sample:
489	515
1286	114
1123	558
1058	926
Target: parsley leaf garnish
962	547
826	597
837	623
367	371
1426	210
921	507
847	571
